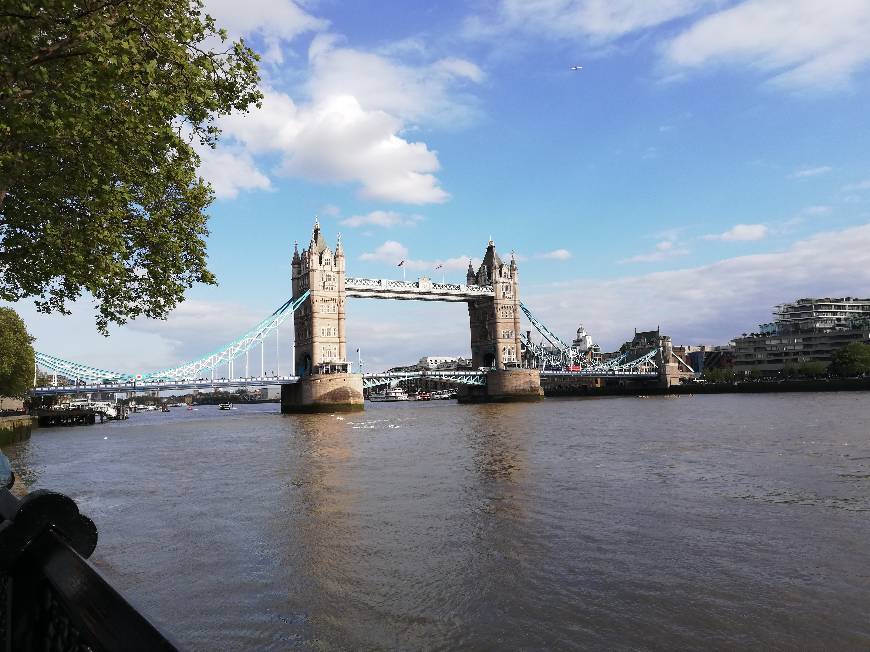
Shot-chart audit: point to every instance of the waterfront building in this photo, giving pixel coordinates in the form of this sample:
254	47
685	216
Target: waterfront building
821	314
807	330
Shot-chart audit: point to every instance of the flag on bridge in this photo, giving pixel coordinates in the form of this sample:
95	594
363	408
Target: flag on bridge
439	266
401	263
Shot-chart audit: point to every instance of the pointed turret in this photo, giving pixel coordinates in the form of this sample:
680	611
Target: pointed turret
491	264
469	275
318	242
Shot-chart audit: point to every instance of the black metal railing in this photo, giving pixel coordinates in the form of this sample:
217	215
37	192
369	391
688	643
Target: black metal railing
51	597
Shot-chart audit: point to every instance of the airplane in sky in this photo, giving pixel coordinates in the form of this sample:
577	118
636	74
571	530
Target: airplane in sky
576	67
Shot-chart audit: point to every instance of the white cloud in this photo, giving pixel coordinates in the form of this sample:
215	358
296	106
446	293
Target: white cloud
336	140
353	127
811	172
379	83
230	169
273	20
711	303
800	44
741	232
858	187
664	250
557	254
593	20
389	252
382	218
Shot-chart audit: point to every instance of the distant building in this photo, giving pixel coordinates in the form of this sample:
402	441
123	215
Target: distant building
443	362
705	357
583	341
433	361
672	360
807	330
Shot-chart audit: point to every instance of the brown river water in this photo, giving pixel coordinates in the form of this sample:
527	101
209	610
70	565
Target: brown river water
714	522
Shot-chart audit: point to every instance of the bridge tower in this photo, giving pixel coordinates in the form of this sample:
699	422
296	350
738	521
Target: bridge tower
495	334
320	347
495	322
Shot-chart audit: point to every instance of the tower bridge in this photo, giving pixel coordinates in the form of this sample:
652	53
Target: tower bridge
322	378
491	293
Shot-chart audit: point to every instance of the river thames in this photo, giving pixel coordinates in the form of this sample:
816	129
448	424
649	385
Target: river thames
715	522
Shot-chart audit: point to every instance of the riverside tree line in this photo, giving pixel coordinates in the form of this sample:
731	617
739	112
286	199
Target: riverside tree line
850	361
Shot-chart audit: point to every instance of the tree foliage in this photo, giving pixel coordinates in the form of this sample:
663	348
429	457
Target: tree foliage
812	369
852	360
16	355
102	103
719	375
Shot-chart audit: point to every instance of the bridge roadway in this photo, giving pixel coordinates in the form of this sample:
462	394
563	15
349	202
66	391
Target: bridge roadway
477	377
421	290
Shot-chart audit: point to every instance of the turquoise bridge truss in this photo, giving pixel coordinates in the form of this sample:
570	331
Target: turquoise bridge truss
554	359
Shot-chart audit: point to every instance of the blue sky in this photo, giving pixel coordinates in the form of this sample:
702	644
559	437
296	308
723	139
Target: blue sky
710	160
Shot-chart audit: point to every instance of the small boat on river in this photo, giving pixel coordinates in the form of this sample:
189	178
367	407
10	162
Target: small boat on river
225	406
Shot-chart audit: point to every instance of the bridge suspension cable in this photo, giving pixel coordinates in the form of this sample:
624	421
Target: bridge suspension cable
234	349
567	354
75	370
566	351
190	370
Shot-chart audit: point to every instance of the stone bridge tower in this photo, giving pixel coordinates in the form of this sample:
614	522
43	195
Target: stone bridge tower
495	323
319	323
319	336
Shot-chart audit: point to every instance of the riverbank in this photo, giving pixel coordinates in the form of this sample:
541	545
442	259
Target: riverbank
15	428
746	387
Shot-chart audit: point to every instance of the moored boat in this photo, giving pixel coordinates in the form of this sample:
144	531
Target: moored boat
391	394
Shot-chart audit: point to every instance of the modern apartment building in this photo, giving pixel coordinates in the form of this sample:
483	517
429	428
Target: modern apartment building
821	314
807	330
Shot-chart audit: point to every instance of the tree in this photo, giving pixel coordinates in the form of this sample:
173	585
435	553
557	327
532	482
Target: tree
719	375
852	360
812	369
17	360
102	103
